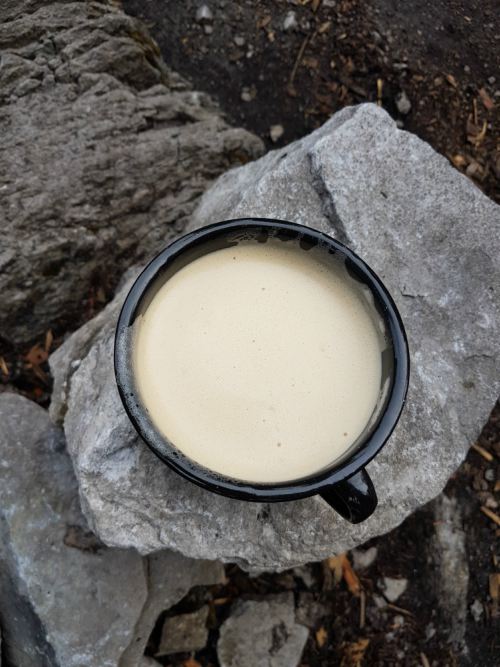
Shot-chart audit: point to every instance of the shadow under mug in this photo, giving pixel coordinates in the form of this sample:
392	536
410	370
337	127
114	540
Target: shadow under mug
345	485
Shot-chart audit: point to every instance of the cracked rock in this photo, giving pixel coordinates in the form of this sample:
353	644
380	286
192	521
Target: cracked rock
51	565
185	632
430	235
126	149
262	633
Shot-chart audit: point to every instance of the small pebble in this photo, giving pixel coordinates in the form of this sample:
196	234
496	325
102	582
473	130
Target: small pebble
477	610
393	588
290	21
239	40
363	559
491	80
467	69
276	132
398	621
430	631
247	94
403	103
204	13
208	29
489	475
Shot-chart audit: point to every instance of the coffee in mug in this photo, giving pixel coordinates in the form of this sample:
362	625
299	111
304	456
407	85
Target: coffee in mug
260	361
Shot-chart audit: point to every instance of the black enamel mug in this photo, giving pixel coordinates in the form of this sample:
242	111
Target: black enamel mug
345	485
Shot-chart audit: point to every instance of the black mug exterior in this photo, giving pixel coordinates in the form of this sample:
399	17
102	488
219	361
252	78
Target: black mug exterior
345	486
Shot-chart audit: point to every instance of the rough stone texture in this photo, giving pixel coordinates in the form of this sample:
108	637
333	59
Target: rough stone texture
105	152
65	599
183	633
262	633
450	555
170	577
433	238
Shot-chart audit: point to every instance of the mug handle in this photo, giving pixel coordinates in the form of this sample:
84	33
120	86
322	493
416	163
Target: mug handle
353	498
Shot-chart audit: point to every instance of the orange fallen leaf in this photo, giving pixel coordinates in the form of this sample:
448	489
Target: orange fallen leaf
191	662
321	636
37	355
351	578
49	339
335	565
354	653
342	568
3	366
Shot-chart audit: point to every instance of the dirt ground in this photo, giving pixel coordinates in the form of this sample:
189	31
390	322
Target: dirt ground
293	64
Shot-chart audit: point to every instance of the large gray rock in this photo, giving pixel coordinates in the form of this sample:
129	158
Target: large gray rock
66	600
433	238
104	154
262	632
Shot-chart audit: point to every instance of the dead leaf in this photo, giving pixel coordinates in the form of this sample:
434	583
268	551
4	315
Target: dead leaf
315	5
354	653
475	134
37	355
335	565
486	100
191	662
49	339
495	586
351	578
451	80
3	366
321	636
341	568
265	20
324	27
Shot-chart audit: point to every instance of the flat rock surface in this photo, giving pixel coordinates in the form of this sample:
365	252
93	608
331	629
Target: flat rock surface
66	600
262	633
185	632
432	237
105	153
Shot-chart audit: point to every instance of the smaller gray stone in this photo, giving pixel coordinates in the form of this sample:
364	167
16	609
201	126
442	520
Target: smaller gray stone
489	475
398	621
430	631
208	29
362	559
186	632
204	13
304	572
379	601
491	80
393	588
239	40
477	610
403	103
262	633
276	132
247	94
290	21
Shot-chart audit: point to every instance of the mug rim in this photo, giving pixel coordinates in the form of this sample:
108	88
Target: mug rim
234	488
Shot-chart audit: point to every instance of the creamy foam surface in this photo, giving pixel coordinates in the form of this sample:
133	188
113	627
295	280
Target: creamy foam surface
260	361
